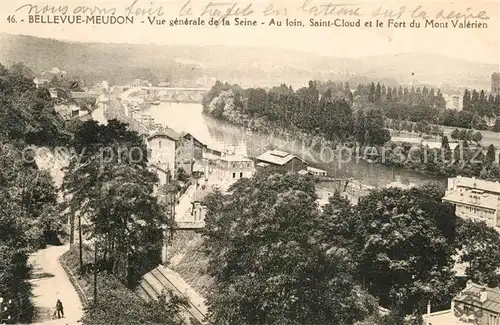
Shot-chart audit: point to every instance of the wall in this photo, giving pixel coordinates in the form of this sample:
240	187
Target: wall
187	258
185	152
198	212
231	170
164	155
295	165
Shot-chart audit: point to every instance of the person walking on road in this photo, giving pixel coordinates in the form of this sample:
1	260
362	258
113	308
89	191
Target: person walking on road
60	309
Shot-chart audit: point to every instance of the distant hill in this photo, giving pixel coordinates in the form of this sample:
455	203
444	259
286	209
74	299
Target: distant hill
120	63
425	68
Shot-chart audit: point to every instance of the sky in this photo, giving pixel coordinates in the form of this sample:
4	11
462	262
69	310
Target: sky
479	45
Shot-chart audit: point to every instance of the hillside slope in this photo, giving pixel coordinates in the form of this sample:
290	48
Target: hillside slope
120	63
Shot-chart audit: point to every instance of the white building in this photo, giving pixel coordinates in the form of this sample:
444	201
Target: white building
475	199
313	171
454	102
161	145
228	168
40	82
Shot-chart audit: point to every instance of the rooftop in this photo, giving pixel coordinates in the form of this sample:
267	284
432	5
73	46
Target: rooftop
472	197
277	157
188	135
474	183
165	133
471	296
200	194
315	170
443	318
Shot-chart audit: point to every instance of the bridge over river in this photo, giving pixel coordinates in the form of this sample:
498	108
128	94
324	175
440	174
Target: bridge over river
164	94
151	94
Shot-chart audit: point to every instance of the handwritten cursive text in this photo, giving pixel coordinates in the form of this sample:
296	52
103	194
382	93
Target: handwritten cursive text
224	9
330	9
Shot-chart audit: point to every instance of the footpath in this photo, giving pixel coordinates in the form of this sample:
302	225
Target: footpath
50	282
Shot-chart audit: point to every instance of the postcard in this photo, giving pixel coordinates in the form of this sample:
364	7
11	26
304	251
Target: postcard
261	162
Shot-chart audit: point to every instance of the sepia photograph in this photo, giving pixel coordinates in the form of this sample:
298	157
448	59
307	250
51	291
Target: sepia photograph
276	162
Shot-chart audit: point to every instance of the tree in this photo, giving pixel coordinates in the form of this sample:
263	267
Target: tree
491	155
378	93
22	70
376	133
445	144
110	184
340	226
467	100
408	235
480	245
457	135
257	101
371	95
14	268
121	306
268	263
477	137
359	127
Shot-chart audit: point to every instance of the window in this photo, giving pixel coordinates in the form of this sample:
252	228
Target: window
467	310
234	175
159	144
241	175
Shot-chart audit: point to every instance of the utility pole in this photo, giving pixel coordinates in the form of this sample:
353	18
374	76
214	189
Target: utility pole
72	228
95	271
80	244
170	201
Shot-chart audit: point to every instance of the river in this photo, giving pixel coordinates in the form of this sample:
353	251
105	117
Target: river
219	134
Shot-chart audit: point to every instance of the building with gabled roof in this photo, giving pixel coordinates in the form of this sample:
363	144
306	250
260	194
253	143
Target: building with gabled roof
189	150
280	160
165	132
161	146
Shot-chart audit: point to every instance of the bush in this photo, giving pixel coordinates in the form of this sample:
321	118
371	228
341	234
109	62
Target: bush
116	304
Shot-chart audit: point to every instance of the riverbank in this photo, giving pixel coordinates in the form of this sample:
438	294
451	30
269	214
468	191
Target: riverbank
420	158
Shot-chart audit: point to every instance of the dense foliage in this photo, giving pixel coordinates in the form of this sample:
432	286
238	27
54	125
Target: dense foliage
329	114
110	187
480	246
339	115
273	260
29	217
278	258
424	104
119	305
27	113
404	103
408	246
465	159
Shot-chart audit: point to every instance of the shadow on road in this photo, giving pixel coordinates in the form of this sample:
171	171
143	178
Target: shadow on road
42	275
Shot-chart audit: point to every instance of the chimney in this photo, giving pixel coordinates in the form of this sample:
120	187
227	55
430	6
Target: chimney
483	295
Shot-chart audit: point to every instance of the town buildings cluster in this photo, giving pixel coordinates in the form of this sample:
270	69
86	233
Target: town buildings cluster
171	151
